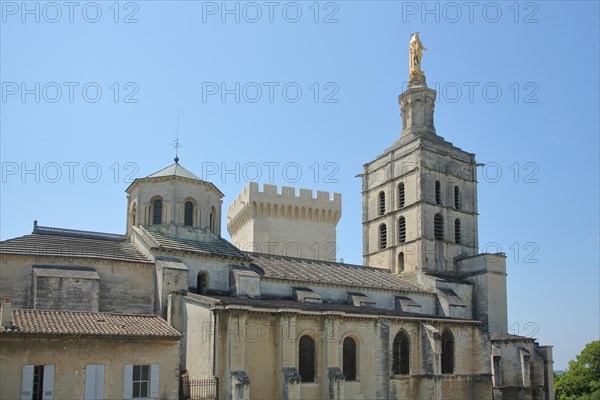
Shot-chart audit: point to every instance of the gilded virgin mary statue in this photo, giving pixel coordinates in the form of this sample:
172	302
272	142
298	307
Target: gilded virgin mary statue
416	53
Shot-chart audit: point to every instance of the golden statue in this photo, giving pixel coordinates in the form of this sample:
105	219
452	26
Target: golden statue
416	53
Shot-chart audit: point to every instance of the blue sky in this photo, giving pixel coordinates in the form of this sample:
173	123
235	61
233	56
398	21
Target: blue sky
304	93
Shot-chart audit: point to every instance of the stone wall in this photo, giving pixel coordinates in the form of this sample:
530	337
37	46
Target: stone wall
71	355
124	287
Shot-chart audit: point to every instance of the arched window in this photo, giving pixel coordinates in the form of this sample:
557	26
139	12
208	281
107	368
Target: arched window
349	359
401	195
438	227
132	214
447	352
382	236
188	214
457	197
381	203
401	230
457	233
306	357
202	282
213	219
401	262
401	354
157	207
438	192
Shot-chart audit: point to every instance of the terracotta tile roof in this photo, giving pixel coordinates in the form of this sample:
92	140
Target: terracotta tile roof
328	272
70	243
44	322
219	247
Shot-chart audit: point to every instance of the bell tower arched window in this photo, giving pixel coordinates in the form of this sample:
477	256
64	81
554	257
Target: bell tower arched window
401	230
381	203
457	232
401	195
188	214
438	192
157	210
382	236
457	197
401	262
438	226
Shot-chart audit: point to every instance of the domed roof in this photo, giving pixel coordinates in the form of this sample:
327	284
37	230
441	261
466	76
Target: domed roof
174	170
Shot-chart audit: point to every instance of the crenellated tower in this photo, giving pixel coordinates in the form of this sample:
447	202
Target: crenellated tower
285	223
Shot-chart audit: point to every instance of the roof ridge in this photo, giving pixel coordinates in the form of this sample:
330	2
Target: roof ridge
86	312
47	230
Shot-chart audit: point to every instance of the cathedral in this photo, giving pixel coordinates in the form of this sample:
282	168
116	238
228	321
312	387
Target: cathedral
172	310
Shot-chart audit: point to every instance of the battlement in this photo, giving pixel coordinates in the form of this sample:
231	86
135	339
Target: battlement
284	204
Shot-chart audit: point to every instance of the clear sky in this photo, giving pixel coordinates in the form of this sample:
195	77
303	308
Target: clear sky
303	94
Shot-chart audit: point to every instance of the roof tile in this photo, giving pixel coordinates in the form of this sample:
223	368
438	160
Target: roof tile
27	321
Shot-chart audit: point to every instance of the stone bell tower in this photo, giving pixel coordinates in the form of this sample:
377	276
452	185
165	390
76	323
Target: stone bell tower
420	194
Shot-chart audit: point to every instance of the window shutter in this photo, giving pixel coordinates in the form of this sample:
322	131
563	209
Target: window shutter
27	382
48	382
99	392
94	382
128	381
154	380
90	382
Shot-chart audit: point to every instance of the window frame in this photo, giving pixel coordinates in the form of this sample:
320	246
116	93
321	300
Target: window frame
157	216
141	381
188	217
350	363
401	195
401	354
307	366
438	226
448	352
381	203
382	231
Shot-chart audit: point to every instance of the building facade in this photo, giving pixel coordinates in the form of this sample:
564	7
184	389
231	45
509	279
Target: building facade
274	315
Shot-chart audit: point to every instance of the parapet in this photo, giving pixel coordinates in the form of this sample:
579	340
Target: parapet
270	203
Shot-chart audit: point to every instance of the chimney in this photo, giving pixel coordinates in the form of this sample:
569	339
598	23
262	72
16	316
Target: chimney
5	312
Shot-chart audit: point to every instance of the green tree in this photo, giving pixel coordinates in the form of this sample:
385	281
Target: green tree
582	379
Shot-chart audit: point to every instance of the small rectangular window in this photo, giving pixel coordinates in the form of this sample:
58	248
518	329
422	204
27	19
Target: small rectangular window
141	381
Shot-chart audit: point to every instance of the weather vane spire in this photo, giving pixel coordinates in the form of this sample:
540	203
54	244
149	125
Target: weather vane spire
176	143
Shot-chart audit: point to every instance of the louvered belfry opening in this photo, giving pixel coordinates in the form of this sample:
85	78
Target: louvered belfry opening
457	233
401	197
438	192
381	203
382	236
438	226
457	197
401	230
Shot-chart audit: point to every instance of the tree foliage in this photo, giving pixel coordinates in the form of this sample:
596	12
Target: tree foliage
582	379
